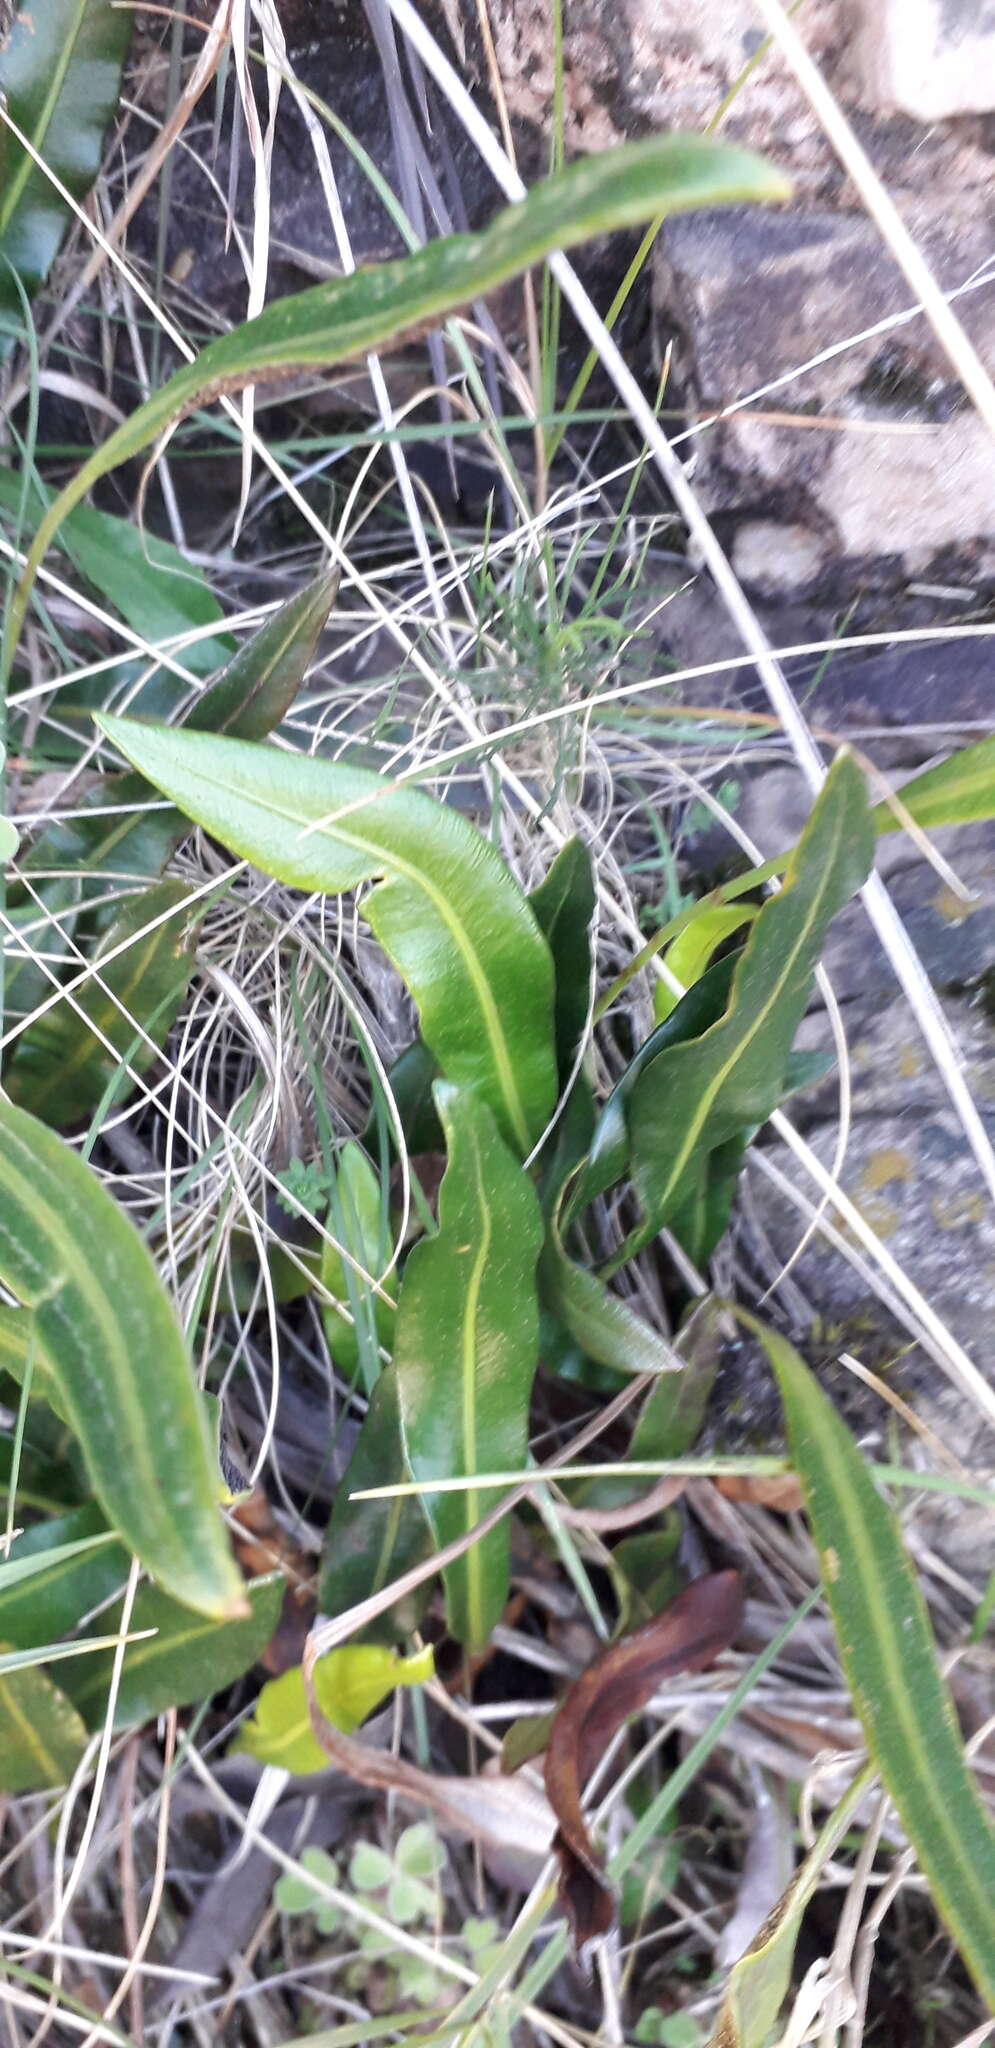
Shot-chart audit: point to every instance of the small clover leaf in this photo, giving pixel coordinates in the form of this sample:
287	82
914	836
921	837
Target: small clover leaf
409	1900
293	1894
370	1869
419	1852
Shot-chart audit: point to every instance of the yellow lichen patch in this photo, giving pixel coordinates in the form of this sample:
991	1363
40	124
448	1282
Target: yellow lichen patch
952	1212
909	1062
889	1163
951	907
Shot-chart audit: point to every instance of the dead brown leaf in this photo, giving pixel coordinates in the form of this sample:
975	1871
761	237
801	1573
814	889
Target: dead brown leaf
686	1636
779	1490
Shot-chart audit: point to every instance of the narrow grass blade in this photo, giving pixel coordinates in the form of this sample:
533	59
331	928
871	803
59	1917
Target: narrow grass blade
466	1349
449	914
887	1650
105	1329
349	316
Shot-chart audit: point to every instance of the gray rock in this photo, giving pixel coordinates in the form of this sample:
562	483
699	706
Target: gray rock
932	58
892	464
909	1172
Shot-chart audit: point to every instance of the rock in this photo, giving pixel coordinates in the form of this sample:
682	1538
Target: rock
882	454
910	1173
932	58
769	556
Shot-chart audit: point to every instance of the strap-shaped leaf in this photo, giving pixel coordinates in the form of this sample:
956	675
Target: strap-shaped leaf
450	915
347	317
563	906
700	1096
370	1542
466	1347
106	1331
887	1650
59	72
62	1066
41	1735
188	1657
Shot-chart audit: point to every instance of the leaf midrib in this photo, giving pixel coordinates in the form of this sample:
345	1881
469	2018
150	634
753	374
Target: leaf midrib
709	1093
387	863
889	1649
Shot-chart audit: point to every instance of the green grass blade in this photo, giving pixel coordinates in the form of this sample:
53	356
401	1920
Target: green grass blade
466	1349
449	914
105	1330
887	1650
349	316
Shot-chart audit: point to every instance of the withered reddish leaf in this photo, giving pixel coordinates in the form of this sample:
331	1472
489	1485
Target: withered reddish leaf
686	1636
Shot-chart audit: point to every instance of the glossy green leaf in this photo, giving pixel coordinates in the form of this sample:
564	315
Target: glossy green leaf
696	1012
761	1979
958	791
603	1326
190	1658
370	1542
672	1411
74	1564
106	1330
252	696
349	316
466	1346
888	1654
689	954
357	1219
64	1063
449	914
412	1079
44	923
700	1096
348	1684
42	1737
563	906
147	580
60	73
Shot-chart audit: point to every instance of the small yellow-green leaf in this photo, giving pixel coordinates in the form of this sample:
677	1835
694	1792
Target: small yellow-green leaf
689	954
105	1330
888	1654
41	1735
348	1684
466	1348
189	1658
